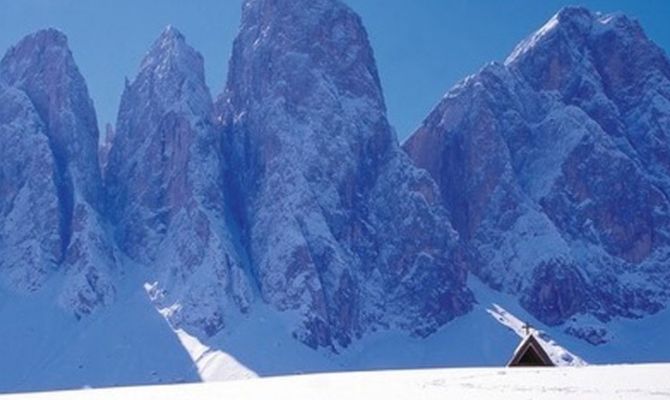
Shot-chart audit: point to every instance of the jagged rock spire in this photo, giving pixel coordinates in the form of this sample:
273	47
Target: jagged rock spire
160	115
166	189
336	218
57	110
42	66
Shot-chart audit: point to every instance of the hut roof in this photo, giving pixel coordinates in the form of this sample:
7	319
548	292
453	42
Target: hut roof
530	353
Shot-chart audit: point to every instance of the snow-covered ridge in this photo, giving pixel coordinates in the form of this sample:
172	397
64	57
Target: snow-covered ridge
573	20
170	51
529	43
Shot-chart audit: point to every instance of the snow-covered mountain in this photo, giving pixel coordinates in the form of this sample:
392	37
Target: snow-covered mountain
339	225
164	180
554	166
282	228
50	181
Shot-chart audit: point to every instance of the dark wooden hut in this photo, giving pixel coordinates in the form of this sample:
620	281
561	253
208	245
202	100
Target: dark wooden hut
530	353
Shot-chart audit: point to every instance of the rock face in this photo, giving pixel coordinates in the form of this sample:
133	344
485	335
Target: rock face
554	166
29	194
164	179
50	180
340	227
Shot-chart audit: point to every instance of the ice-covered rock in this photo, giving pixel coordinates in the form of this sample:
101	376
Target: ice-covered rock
554	168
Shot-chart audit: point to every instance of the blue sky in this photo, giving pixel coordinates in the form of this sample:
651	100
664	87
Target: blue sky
422	47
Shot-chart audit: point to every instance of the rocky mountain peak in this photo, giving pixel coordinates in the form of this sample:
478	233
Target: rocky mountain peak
172	34
545	162
265	12
35	44
299	44
605	64
577	16
322	182
59	176
165	189
171	93
574	27
42	66
170	72
171	54
170	45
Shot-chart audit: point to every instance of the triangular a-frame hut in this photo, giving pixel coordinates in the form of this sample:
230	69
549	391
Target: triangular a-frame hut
530	353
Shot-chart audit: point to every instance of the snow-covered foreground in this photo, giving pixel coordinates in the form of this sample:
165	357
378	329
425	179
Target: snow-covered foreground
593	382
131	344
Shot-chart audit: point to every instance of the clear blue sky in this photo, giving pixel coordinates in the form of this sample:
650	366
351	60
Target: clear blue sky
422	47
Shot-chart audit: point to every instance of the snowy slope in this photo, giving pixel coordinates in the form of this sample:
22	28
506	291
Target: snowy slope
132	344
487	336
601	383
44	348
